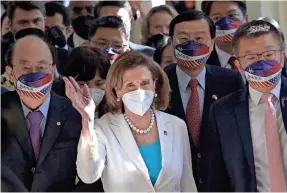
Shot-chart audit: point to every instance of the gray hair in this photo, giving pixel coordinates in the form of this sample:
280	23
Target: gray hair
146	23
254	29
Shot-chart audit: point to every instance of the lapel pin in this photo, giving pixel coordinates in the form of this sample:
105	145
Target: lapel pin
214	97
58	123
165	132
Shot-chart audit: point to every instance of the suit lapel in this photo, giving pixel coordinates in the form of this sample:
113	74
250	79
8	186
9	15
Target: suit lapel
210	90
175	102
283	100
54	124
122	131
243	122
213	58
165	130
19	128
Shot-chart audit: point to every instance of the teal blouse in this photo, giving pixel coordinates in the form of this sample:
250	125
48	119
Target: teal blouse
152	157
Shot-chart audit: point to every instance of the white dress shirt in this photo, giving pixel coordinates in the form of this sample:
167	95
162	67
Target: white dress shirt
256	113
223	58
78	41
113	156
185	90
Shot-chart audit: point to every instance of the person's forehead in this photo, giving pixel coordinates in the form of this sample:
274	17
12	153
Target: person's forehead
21	14
260	43
218	7
160	17
29	47
55	19
133	73
109	34
191	27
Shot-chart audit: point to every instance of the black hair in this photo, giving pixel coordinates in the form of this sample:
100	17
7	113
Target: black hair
206	6
122	4
162	45
192	15
10	52
256	28
55	7
3	17
109	22
25	5
83	63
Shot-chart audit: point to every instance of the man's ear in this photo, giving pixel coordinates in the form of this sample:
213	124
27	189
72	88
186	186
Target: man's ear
10	73
246	17
211	45
126	49
283	59
237	64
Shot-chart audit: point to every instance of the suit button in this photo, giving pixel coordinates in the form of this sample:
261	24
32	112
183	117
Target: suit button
33	170
199	156
200	181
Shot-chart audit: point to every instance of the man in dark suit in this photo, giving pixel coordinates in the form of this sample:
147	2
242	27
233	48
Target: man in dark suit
195	85
39	129
227	16
123	10
248	129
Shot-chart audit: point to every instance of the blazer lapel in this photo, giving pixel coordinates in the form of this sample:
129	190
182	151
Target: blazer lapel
165	130
210	90
176	106
243	122
283	100
124	135
19	128
54	124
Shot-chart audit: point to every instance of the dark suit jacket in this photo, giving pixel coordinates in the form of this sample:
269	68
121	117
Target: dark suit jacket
232	162
219	82
10	182
55	169
70	41
213	58
142	48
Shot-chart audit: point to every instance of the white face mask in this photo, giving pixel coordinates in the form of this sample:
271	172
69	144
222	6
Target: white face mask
97	95
138	101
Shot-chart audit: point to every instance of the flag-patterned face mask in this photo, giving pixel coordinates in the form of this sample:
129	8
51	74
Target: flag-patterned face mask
191	54
34	85
112	54
225	29
263	73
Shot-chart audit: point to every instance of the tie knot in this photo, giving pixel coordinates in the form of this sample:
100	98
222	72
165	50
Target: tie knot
35	117
267	98
193	83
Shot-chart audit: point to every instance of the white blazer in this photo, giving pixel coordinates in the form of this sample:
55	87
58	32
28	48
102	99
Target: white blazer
113	156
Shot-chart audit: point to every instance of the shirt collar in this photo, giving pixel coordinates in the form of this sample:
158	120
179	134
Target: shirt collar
256	95
184	79
222	56
43	108
78	41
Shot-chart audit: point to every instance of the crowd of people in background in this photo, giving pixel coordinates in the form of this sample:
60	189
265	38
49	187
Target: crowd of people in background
199	105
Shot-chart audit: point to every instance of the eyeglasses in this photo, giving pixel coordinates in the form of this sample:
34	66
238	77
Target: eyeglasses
105	44
27	68
198	38
78	10
267	55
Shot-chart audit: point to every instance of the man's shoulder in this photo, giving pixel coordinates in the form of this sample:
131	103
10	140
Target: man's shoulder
142	48
220	71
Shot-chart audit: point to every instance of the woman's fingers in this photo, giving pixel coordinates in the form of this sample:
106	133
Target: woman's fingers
75	84
70	90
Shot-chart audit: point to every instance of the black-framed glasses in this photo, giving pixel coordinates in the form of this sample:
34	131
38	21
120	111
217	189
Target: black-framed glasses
105	44
267	55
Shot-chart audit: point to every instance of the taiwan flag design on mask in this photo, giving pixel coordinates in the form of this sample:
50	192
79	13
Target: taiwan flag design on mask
191	54
226	28
263	74
34	85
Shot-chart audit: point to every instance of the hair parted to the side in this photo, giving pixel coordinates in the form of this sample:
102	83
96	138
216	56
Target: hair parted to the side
130	60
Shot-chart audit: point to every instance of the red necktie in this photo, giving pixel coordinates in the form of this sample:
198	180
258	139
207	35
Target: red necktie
231	61
275	159
193	112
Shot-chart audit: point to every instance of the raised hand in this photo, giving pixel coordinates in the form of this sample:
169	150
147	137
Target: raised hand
80	98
